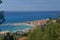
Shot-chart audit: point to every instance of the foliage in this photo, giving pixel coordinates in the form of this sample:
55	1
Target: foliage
36	34
50	32
8	37
58	19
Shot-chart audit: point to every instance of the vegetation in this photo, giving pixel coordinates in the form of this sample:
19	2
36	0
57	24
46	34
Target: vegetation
8	37
49	32
58	20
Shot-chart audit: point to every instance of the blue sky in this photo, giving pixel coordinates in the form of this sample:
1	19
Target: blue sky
30	5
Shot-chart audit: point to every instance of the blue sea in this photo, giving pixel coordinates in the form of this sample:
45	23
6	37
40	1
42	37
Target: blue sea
13	17
18	17
14	29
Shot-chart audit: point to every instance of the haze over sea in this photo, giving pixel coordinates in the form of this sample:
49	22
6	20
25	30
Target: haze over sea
15	17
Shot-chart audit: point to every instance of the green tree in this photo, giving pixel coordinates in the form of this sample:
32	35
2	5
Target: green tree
58	19
8	37
36	34
50	32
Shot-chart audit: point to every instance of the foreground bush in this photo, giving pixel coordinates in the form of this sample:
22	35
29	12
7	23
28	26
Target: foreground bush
50	32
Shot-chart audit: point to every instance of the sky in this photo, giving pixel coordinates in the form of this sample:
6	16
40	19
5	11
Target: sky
30	5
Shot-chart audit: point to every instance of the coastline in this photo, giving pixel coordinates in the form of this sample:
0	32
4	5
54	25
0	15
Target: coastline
16	24
30	23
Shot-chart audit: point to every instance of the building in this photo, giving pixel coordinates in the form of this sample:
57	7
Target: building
39	22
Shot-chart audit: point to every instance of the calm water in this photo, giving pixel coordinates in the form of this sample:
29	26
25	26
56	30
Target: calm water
15	17
12	17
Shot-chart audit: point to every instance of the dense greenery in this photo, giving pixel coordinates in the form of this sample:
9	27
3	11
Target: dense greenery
50	32
58	19
8	37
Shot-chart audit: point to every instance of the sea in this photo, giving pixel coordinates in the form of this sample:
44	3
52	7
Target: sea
19	17
13	17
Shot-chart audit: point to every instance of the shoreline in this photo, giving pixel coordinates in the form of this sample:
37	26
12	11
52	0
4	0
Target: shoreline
26	23
16	24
